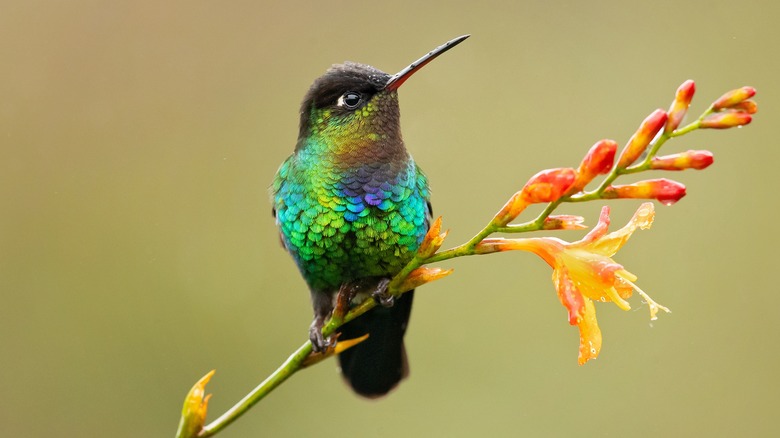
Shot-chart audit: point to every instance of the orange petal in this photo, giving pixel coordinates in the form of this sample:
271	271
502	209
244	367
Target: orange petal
590	334
599	230
612	242
570	297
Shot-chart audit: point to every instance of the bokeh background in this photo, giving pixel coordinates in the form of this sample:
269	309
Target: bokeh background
137	249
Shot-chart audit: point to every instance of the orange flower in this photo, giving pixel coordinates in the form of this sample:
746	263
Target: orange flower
584	272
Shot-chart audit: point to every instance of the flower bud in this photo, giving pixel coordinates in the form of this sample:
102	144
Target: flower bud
642	138
548	185
682	100
687	160
332	350
733	97
666	191
423	275
598	161
193	414
726	119
512	209
433	240
748	106
564	222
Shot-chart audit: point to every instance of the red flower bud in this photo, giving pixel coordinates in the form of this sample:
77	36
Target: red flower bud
642	137
733	97
726	119
748	106
548	185
598	161
664	190
680	105
687	160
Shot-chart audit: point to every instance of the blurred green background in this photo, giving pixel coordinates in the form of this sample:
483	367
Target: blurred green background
137	248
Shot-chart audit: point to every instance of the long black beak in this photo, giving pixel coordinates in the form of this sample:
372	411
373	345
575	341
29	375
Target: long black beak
401	77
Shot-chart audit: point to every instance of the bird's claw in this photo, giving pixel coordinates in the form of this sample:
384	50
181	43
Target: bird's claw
318	342
382	295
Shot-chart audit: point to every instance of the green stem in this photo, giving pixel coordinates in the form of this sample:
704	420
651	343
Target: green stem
288	368
293	364
297	360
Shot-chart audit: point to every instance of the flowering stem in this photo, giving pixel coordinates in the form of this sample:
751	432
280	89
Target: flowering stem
482	244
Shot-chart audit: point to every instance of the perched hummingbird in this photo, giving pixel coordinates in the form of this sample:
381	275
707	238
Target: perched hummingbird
352	208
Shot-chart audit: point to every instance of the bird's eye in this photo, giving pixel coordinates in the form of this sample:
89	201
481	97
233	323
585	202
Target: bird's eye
350	100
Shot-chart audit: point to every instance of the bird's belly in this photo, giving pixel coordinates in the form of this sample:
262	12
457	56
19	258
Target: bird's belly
335	245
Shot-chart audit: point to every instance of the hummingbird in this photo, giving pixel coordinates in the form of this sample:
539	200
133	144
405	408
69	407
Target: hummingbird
352	209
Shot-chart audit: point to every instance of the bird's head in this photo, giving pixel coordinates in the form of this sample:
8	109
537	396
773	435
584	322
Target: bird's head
353	104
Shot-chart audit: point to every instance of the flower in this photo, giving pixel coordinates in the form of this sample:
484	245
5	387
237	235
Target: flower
584	272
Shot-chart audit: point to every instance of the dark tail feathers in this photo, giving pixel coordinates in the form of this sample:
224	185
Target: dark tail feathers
376	365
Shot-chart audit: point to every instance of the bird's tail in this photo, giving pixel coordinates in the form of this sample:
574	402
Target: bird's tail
376	365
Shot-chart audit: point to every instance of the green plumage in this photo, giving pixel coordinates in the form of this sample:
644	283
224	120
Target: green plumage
346	224
352	208
350	202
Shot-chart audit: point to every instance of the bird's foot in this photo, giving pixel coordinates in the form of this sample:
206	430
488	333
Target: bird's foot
346	293
318	342
381	294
